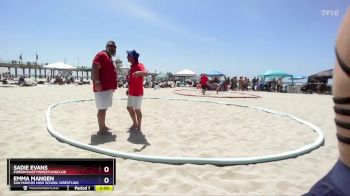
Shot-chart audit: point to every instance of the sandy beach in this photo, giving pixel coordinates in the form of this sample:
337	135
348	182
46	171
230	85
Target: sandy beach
175	128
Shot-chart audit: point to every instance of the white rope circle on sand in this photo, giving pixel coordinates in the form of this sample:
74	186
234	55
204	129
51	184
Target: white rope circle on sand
242	95
183	160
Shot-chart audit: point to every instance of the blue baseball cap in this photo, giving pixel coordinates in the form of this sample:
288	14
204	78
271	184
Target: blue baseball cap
133	53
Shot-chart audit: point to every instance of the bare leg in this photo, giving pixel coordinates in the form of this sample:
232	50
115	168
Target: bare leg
101	116
133	116
139	117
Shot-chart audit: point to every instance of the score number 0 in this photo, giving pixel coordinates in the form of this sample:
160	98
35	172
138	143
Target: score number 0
106	170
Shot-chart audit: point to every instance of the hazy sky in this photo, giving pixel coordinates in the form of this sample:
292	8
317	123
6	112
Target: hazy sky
245	37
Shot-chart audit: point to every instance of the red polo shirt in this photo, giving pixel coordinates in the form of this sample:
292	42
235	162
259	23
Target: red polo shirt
107	72
136	83
204	80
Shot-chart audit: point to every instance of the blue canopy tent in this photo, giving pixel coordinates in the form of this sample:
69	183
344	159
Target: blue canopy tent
271	74
214	73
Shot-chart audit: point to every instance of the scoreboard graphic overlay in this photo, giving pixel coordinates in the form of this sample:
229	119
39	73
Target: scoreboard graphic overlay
61	174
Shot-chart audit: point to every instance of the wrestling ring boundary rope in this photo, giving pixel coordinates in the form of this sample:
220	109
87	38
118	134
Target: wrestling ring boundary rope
192	160
177	92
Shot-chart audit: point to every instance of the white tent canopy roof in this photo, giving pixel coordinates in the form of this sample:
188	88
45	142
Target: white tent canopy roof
4	70
185	72
59	65
125	67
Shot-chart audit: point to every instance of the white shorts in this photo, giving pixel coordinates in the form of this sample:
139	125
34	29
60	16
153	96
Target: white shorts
103	99
134	102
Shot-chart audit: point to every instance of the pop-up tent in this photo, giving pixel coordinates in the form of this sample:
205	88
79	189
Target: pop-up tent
271	74
123	70
320	77
214	73
275	74
4	70
60	65
318	81
323	75
185	73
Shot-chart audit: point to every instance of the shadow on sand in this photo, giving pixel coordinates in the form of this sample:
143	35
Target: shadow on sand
136	137
102	139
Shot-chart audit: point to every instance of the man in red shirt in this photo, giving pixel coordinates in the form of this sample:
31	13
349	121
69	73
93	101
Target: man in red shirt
204	80
104	76
135	89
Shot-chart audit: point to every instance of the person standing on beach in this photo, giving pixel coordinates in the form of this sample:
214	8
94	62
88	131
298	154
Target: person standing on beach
279	85
104	76
234	83
135	89
240	83
336	182
254	83
204	83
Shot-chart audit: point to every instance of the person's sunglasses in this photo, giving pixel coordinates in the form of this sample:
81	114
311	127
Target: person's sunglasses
112	46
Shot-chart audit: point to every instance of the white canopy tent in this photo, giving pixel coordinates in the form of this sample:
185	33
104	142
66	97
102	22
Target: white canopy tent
60	65
185	73
124	70
62	69
4	70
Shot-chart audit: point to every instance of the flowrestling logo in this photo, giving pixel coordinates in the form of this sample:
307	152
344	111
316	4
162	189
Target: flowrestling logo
329	12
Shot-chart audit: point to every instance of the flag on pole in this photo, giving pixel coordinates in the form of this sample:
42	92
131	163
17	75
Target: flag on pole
36	56
20	56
